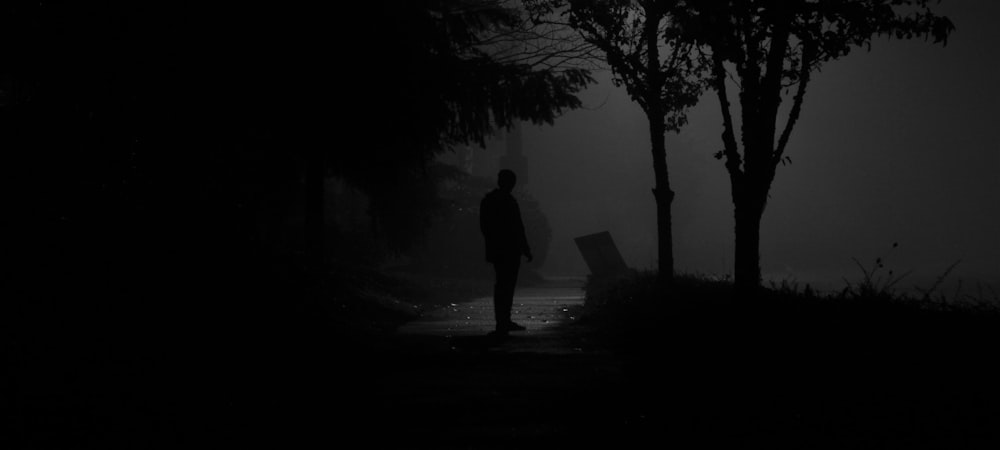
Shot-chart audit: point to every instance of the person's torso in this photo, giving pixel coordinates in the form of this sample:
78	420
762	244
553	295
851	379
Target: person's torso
504	221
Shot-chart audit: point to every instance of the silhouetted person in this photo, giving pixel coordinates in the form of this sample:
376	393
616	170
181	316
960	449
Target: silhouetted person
500	222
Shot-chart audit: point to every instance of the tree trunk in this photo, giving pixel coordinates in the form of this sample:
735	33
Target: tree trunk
664	198
664	232
749	209
654	109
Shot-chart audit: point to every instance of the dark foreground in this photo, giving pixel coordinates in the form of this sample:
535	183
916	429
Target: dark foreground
285	362
692	367
552	385
699	366
791	370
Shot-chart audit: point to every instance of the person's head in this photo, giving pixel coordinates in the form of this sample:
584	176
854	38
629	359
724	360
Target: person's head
506	180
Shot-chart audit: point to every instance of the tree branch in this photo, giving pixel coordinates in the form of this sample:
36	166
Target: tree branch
731	148
793	115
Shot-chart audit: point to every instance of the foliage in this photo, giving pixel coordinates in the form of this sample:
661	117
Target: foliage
441	86
623	31
874	283
852	371
644	47
775	46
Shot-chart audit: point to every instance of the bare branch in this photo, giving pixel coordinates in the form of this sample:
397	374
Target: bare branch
538	42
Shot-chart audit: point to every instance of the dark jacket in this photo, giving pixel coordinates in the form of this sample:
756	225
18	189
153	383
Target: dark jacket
500	222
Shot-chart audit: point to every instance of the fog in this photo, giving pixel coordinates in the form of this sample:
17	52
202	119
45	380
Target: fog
896	145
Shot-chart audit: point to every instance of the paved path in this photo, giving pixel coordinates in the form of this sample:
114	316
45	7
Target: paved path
547	386
544	311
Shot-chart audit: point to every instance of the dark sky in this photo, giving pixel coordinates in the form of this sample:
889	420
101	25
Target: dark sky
894	145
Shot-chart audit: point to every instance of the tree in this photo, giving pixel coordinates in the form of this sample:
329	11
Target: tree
642	45
435	74
775	45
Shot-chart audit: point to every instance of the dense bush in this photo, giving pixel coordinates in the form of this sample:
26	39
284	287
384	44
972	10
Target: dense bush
788	367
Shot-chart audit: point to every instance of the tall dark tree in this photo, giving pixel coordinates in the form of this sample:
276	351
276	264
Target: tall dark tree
774	46
642	45
451	77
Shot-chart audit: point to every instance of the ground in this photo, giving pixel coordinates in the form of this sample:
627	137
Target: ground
693	369
549	386
703	372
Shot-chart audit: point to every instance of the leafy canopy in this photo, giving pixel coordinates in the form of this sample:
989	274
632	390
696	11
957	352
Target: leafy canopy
432	75
776	44
643	47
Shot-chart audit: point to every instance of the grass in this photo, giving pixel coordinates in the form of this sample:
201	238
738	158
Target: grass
863	368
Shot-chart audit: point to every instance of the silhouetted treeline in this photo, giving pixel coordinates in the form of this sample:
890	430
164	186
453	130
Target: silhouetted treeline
148	147
152	154
140	134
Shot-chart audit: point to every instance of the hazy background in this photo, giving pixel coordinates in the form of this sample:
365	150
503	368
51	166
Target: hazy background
893	145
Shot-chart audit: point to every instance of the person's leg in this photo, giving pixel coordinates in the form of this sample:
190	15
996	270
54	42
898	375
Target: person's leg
503	291
499	286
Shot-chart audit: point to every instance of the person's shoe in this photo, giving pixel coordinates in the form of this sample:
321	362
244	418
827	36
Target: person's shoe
511	326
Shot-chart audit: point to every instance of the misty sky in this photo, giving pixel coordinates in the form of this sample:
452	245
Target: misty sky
894	145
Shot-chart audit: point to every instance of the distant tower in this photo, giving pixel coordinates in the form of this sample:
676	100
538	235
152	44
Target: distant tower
514	158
